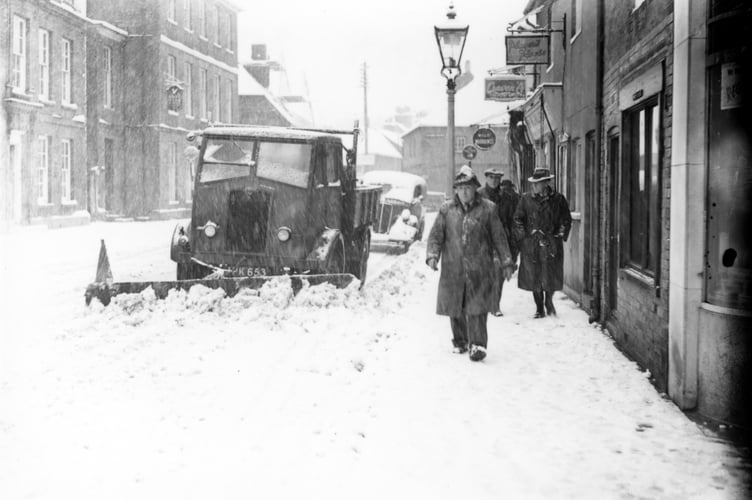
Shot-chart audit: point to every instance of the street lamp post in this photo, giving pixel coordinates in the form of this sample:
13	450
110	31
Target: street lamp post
450	37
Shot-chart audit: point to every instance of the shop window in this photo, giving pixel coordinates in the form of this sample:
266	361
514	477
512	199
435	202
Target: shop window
641	185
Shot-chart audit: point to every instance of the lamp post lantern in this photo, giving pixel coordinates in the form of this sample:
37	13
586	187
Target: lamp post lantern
450	37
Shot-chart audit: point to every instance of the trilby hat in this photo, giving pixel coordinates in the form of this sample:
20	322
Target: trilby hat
541	174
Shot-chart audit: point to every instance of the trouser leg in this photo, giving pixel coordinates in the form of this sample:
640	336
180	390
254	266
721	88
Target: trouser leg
549	296
538	298
459	331
476	329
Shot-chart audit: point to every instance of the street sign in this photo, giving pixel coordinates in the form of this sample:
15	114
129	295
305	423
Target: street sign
484	138
469	152
527	49
505	88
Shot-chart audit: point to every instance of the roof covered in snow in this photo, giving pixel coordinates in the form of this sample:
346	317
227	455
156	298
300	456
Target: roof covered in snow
269	132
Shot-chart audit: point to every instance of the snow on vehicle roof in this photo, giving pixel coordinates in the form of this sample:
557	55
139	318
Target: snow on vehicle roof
402	184
269	132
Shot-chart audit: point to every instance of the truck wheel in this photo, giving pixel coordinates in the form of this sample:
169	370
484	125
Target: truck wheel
363	253
335	261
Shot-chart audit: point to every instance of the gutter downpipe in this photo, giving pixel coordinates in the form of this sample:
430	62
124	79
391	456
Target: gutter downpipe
597	264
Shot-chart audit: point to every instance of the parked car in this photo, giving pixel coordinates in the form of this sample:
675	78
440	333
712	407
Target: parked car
401	216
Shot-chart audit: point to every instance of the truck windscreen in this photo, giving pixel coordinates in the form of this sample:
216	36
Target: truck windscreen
226	159
286	162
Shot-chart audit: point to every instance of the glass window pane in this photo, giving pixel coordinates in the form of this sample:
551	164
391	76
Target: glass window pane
284	162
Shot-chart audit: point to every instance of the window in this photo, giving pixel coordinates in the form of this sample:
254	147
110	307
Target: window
171	64
570	187
67	54
228	101
230	33
43	170
19	54
284	162
642	190
227	30
44	65
204	93
171	10
562	170
65	170
187	15
576	24
551	43
218	26
459	143
107	62
217	99
172	171
202	29
188	93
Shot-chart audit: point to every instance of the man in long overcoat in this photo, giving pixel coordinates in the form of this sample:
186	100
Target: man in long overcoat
541	224
492	192
465	236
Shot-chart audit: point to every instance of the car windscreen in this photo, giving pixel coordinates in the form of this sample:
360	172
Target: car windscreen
226	159
286	162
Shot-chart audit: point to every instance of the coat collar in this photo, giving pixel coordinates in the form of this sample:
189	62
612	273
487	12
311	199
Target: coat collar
473	203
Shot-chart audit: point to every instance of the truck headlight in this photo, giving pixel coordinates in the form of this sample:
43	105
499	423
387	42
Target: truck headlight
210	229
284	233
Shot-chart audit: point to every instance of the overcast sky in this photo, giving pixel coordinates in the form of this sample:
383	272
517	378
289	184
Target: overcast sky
324	43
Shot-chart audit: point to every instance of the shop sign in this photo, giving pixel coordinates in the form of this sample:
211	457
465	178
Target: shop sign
174	98
505	88
469	152
731	86
484	138
528	49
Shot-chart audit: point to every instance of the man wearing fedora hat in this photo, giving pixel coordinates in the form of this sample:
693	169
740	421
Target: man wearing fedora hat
492	192
541	224
466	235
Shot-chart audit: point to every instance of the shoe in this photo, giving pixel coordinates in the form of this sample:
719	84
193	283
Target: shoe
477	352
550	309
539	314
498	314
459	349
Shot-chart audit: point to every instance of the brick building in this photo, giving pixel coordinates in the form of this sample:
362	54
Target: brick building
661	186
181	75
43	141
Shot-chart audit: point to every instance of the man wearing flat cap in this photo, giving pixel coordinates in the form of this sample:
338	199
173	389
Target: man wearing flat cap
541	224
466	236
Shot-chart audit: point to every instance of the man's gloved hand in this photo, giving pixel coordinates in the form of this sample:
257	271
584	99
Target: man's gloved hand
508	272
432	263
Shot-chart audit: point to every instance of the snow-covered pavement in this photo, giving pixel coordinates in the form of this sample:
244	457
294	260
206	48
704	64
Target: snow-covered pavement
328	394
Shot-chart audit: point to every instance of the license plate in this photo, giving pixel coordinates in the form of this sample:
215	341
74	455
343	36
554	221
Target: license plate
250	271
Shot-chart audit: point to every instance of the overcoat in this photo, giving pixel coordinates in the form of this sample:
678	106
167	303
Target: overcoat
465	241
541	223
508	200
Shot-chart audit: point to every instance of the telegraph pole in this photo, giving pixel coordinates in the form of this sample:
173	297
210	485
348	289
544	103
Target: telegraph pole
364	84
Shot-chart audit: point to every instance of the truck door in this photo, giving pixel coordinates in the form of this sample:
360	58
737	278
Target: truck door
327	192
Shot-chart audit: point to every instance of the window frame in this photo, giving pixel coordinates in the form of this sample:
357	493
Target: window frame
576	24
188	92
44	64
642	187
107	59
172	9
66	66
202	20
19	54
460	141
188	15
217	108
204	83
66	174
43	170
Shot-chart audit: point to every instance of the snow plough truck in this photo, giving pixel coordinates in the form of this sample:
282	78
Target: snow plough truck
267	202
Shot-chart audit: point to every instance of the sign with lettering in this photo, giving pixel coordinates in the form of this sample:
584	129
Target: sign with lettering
527	49
731	85
484	138
174	98
505	88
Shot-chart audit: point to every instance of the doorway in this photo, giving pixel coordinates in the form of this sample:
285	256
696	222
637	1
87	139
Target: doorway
16	169
612	243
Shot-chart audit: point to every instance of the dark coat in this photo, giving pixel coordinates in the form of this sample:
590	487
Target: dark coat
541	223
508	200
466	242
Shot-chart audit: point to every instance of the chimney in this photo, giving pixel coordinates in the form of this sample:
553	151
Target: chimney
259	67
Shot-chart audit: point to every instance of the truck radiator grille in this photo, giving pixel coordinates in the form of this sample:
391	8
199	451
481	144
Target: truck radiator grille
248	221
387	213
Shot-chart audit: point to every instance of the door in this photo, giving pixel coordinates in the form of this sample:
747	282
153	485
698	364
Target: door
591	213
17	182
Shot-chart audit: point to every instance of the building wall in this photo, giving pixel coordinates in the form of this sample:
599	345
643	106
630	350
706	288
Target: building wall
27	116
424	154
637	43
153	126
257	110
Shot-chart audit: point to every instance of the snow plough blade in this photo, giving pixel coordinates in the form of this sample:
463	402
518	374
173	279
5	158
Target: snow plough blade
105	291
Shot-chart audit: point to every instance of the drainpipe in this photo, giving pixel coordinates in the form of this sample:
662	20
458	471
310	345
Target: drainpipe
596	263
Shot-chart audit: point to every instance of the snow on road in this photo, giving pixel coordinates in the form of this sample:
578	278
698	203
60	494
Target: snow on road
331	393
